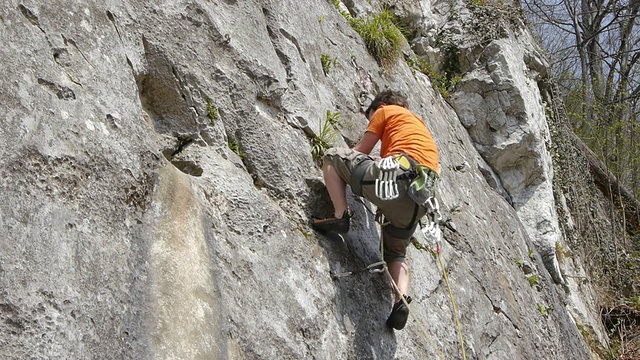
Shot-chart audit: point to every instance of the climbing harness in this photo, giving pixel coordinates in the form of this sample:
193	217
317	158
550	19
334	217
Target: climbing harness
423	184
386	185
387	176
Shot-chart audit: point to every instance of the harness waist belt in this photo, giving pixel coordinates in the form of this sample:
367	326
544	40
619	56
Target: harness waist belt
407	165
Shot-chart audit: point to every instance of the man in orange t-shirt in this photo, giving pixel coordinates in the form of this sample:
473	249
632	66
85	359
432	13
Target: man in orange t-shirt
405	136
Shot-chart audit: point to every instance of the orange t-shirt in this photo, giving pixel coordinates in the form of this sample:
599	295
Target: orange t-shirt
401	131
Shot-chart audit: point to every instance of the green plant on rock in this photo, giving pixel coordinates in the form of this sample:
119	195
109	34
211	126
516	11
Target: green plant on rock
327	62
381	33
212	111
450	69
519	262
420	65
441	82
533	280
327	132
544	310
491	20
475	2
590	337
562	252
634	301
345	14
235	147
333	118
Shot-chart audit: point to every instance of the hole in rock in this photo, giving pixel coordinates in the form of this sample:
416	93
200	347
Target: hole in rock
188	167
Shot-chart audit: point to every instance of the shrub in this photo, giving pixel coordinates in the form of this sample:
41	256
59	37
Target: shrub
322	141
381	34
235	147
212	110
327	62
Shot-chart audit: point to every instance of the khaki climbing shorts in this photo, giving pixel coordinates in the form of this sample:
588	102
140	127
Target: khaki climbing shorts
402	212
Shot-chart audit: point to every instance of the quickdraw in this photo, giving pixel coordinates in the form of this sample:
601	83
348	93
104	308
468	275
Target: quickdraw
386	184
431	232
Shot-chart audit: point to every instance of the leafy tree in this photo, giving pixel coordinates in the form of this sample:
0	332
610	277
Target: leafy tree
595	52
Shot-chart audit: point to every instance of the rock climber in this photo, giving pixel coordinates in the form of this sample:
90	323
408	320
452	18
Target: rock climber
406	138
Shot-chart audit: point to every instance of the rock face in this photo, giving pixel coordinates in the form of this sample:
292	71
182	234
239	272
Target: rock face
501	106
157	177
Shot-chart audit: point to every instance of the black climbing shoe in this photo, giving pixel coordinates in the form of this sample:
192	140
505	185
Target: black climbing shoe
399	314
332	224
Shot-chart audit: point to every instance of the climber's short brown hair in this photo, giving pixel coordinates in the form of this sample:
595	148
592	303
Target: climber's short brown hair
388	97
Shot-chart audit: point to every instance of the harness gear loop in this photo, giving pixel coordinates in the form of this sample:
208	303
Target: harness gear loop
386	185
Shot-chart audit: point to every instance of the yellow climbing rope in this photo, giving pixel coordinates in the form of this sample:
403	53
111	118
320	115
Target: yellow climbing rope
435	253
453	303
404	299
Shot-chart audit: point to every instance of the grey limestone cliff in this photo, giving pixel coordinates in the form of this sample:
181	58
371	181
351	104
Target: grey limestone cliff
157	178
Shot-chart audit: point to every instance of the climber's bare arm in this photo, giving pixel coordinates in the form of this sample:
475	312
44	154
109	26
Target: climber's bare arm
367	143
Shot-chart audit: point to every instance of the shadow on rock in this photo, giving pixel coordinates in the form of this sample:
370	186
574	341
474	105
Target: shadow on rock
363	298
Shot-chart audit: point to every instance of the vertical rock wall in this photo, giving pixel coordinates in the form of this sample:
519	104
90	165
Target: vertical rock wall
157	179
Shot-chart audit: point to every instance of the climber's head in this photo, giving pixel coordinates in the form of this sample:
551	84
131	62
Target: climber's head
386	97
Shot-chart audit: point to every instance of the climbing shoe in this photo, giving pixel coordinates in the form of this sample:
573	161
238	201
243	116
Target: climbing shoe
333	224
398	318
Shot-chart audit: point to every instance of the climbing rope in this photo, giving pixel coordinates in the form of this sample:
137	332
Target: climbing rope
380	220
453	304
431	234
366	82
